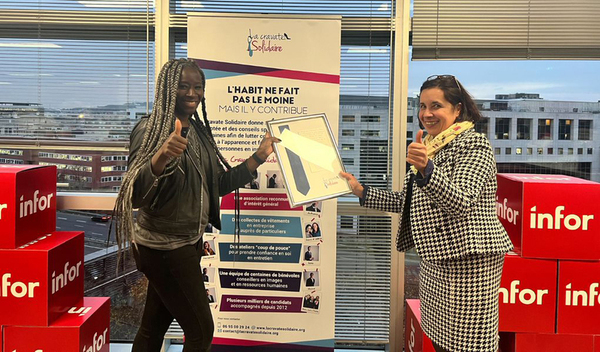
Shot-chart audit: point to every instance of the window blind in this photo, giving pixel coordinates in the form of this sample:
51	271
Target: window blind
511	29
74	70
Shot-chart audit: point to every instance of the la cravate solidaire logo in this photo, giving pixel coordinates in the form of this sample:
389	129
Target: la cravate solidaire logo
266	43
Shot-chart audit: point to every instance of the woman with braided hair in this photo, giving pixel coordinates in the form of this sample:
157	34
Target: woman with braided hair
175	179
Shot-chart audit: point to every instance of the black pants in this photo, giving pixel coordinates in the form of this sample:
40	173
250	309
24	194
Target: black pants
175	290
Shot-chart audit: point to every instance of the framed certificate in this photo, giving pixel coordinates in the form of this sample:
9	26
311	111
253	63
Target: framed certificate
308	158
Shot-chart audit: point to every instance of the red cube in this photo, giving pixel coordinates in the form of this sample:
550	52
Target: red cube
527	342
27	203
83	328
528	292
41	280
578	297
415	339
550	216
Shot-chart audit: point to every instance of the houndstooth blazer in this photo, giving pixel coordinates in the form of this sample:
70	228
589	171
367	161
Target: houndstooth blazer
454	213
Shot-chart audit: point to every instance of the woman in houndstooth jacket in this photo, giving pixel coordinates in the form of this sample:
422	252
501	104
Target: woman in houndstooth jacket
449	215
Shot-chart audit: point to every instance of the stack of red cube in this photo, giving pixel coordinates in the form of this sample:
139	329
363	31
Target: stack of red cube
550	289
42	307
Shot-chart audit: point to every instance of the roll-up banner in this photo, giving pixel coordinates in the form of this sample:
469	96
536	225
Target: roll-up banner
274	289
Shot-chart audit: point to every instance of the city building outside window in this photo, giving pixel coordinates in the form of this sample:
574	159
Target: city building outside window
524	128
370	133
502	128
585	130
368	118
564	129
545	129
482	126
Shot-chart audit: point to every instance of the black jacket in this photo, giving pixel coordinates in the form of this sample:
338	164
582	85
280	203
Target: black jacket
171	204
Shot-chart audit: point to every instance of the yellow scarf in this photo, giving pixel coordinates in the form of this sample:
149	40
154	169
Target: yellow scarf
434	144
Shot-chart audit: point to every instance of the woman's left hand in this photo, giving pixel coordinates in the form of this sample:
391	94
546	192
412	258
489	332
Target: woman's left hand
266	146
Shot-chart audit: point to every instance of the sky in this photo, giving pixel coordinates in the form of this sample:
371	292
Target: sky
553	79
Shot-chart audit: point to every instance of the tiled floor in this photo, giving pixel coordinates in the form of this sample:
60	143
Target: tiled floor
120	347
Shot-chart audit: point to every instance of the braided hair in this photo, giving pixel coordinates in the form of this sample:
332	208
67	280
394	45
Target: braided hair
161	123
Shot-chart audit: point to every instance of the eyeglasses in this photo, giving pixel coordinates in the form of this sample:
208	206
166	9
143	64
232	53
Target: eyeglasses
434	77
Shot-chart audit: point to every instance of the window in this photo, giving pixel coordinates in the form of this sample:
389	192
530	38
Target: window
570	151
564	129
541	109
507	151
524	128
482	126
560	151
65	156
369	133
10	161
111	179
347	132
114	168
579	151
370	119
529	151
585	130
518	150
590	150
540	151
497	151
72	167
115	158
544	129
348	118
348	161
347	146
550	151
502	128
11	152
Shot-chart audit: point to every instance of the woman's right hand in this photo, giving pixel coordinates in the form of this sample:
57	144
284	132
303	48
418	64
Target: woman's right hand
175	144
357	188
173	147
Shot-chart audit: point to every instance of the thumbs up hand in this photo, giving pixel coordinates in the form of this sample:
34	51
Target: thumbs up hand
417	153
173	147
175	144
